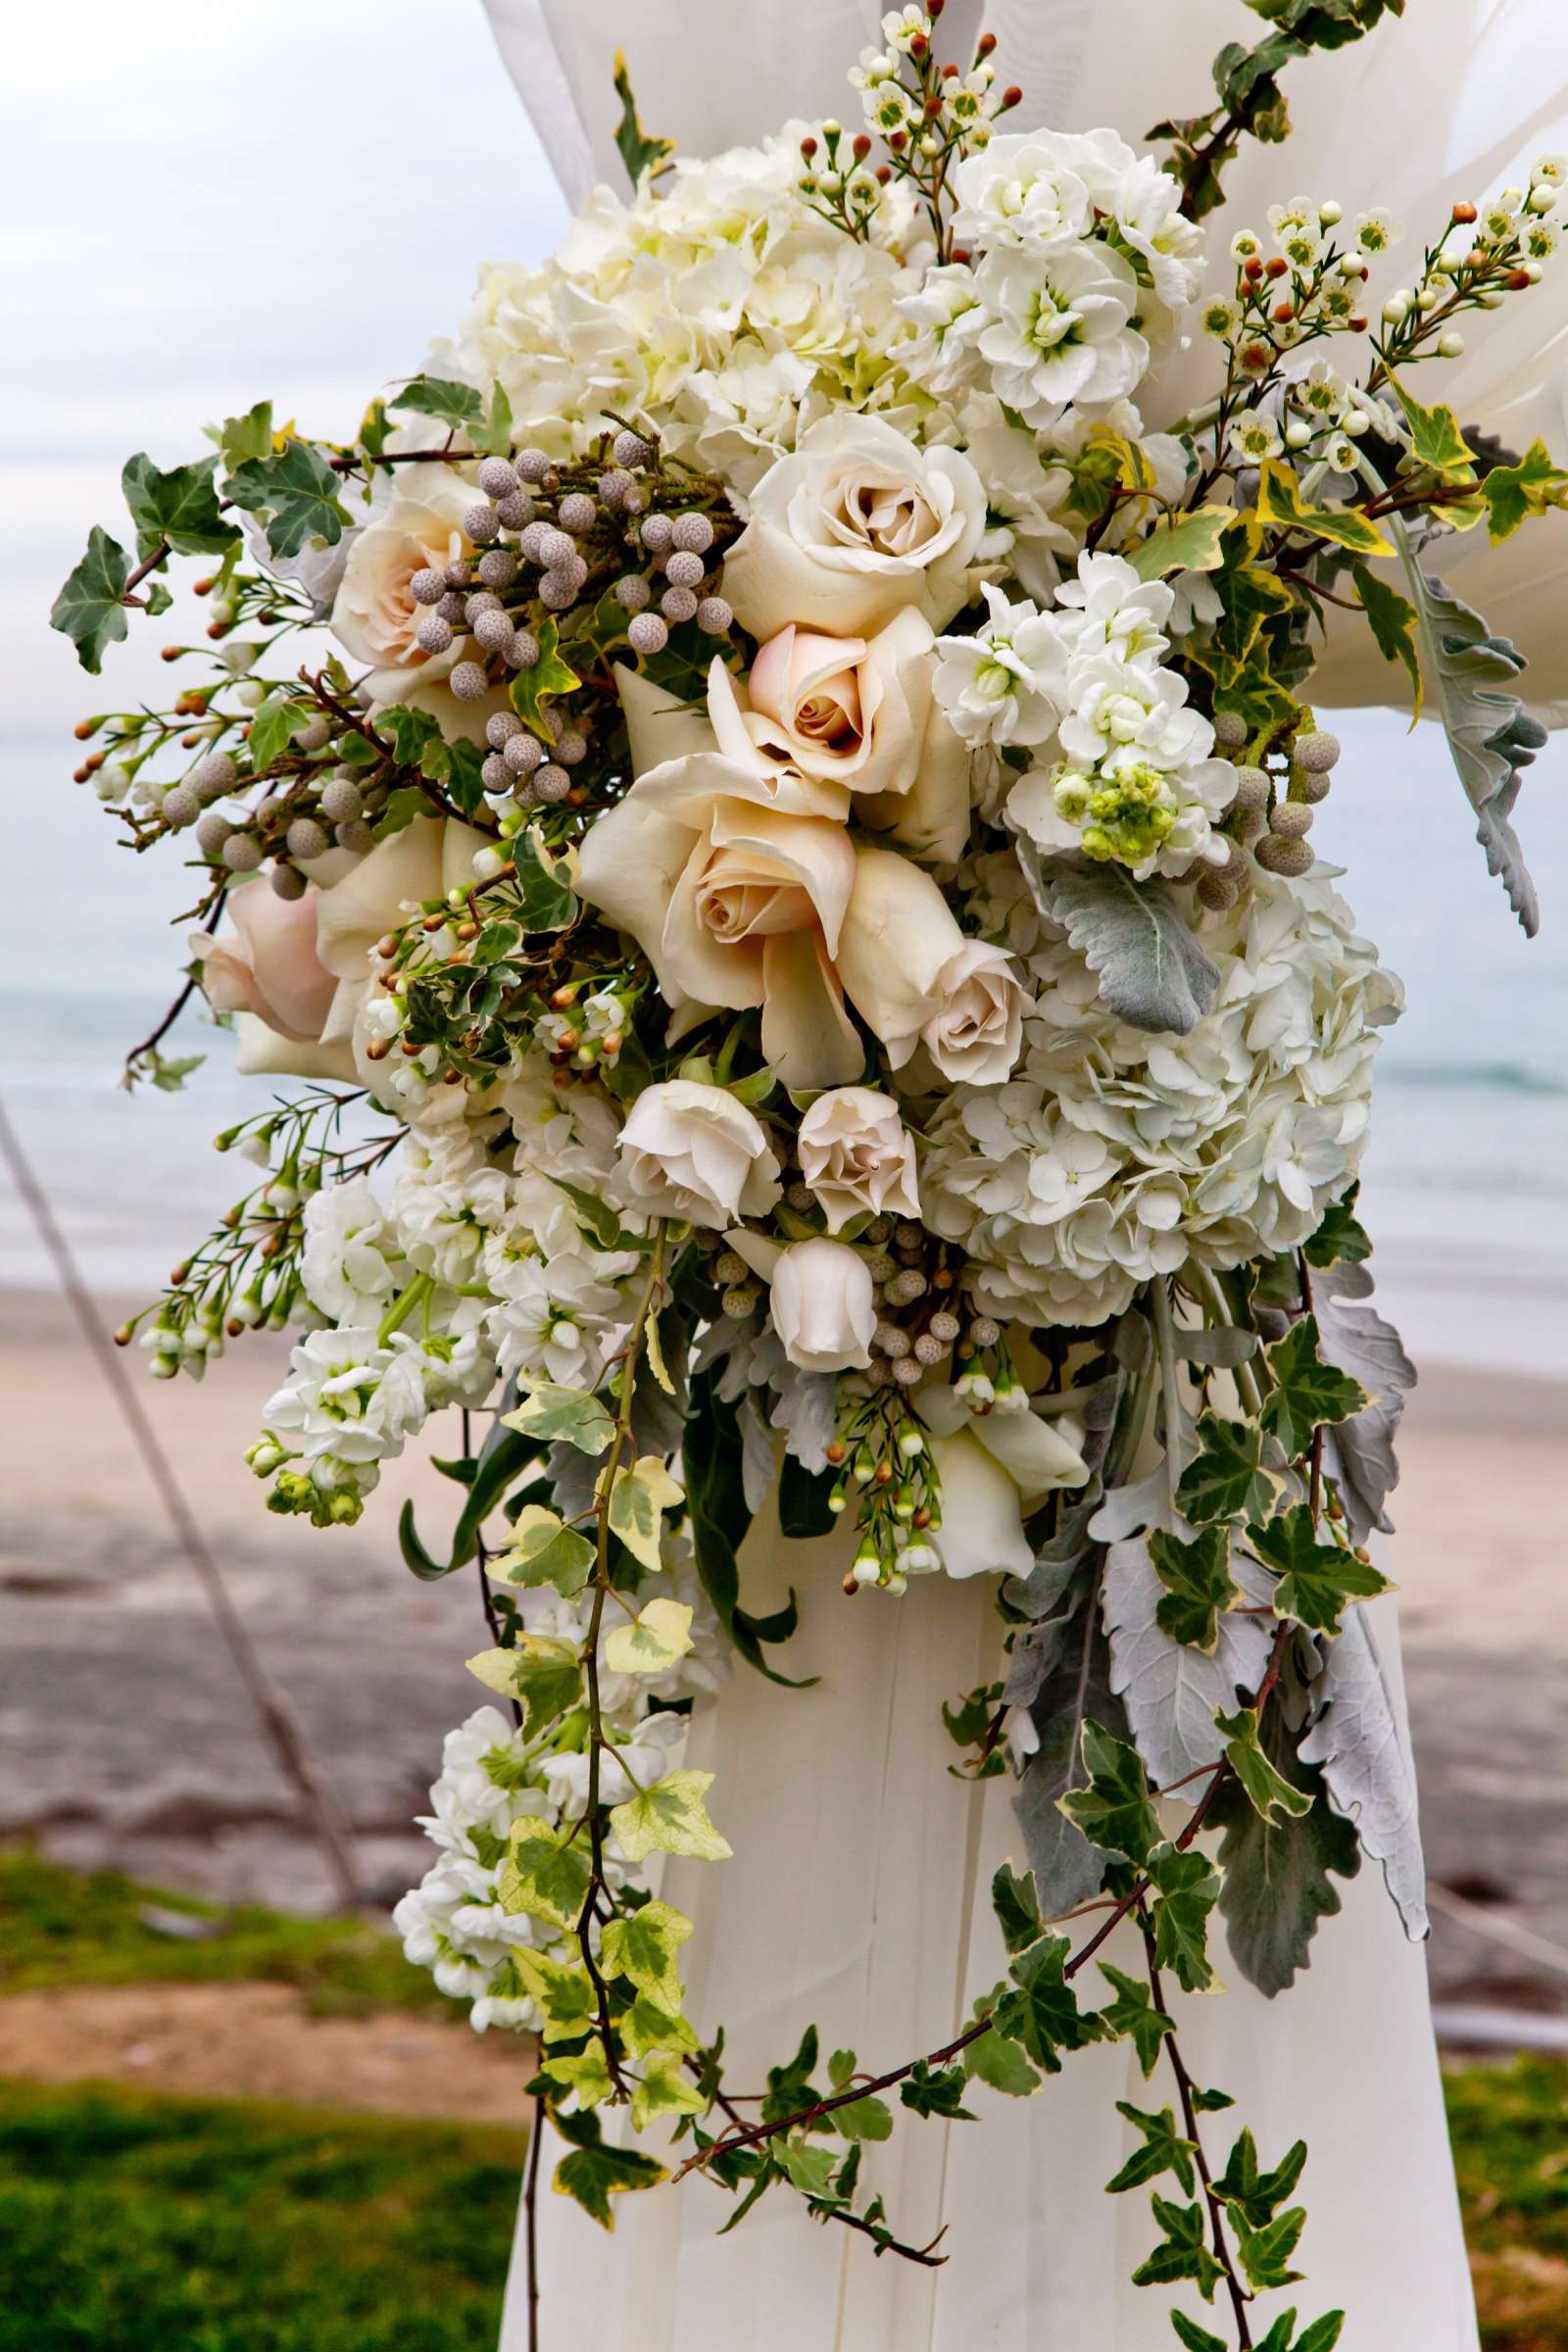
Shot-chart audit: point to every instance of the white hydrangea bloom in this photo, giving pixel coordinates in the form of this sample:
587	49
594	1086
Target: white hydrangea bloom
1113	1156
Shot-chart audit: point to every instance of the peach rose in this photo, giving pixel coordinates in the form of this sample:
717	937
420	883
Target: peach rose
857	1154
267	965
691	1150
916	979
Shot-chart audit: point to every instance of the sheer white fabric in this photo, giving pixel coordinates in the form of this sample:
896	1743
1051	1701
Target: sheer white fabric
1454	100
858	1899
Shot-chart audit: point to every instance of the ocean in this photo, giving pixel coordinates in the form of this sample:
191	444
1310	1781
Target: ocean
1465	1186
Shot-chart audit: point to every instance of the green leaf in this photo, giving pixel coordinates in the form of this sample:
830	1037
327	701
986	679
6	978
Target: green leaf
493	438
1133	2017
864	2119
545	1552
1196	2338
641	1945
1435	436
1000	2063
1043	2011
1392	618
1280	502
641	1495
1265	2253
1017	1907
1316	1579
562	1991
541	1674
1225	1480
593	2174
637	150
1513	493
1152	972
1268	1790
550	1413
548	677
1114	1811
1307	1391
179	507
645	2028
664	2088
543	1874
1339	1237
1275	1874
1197	1583
1184	2252
244	438
274	726
928	2091
88	609
658	1640
584	2074
803	1504
415	1555
810	2168
1186	1890
1164	2150
456	406
671	1819
715	1498
296	492
1253	2193
1189	542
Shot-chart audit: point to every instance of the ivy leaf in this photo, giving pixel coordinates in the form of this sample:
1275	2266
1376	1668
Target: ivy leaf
1190	541
641	1495
1041	2011
1151	970
88	609
1133	2017
1491	734
593	2174
1308	1393
544	1875
1436	440
244	438
1392	618
543	885
1164	2150
583	2074
1000	2063
552	1412
456	406
1317	1581
670	1819
562	1991
1196	2338
493	438
645	2027
642	1944
940	2092
1183	2253
549	676
1513	493
1186	1890
1225	1479
1280	502
864	2119
1114	1811
1268	1790
660	1638
541	1674
274	728
1017	1907
810	2168
664	2088
180	506
545	1552
1252	2193
1198	1582
637	151
296	491
1340	1239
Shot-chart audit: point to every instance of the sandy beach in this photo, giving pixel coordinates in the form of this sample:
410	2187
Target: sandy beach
126	1737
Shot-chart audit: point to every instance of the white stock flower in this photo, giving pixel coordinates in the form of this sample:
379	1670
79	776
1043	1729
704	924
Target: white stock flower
857	1154
1021	190
351	1251
1007	683
1060	333
692	1151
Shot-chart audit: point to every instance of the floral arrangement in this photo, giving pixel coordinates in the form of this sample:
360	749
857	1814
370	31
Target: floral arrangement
768	812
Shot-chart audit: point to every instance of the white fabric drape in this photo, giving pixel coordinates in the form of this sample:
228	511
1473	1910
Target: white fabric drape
1454	100
858	1899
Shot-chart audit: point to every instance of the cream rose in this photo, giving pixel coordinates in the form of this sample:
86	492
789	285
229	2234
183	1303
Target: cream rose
993	1466
822	1307
853	527
856	1153
267	965
693	1151
916	980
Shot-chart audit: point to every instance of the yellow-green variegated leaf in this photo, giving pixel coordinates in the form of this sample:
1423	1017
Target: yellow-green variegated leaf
669	1818
638	1500
666	2089
1513	493
1190	541
564	1991
543	1874
1434	437
641	1945
585	2072
1280	502
544	1550
660	1637
541	1674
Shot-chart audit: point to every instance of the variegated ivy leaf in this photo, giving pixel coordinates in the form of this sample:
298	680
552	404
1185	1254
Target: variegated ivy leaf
1317	1581
661	1635
669	1818
1190	541
593	2174
1280	500
645	2028
544	1550
563	1991
1269	1791
1113	1812
1186	1887
642	1944
1225	1479
1133	2017
585	2073
541	1674
550	1411
1308	1393
296	492
638	1501
664	2088
1164	2150
1198	1585
1042	2010
543	1874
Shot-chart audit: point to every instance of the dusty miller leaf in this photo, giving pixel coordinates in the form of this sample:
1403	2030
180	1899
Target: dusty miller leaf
1152	974
1357	1745
1277	1877
1170	1693
1360	1453
1066	1868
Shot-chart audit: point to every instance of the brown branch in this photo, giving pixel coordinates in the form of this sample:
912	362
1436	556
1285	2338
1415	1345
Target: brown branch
156	1036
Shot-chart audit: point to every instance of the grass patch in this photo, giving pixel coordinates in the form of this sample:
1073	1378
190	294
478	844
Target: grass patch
135	2224
59	1927
1510	2140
